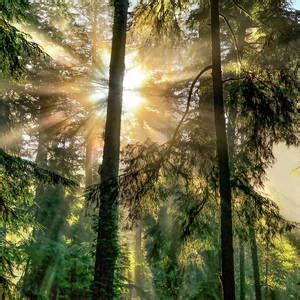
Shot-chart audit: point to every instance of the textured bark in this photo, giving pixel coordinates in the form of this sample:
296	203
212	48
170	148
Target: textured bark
223	159
4	129
242	269
107	240
254	255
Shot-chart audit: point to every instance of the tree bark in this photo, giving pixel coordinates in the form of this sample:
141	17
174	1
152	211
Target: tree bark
107	240
223	159
242	269
138	258
4	129
255	265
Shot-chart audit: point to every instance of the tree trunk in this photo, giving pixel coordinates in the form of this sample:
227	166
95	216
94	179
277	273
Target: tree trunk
255	265
3	282
107	240
242	269
42	150
34	274
4	129
267	272
51	214
5	123
223	160
89	159
90	137
138	259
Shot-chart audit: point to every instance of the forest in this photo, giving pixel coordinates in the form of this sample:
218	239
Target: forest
149	149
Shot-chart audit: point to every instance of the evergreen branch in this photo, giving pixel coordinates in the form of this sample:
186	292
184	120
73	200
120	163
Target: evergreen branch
15	50
264	208
244	10
236	46
171	143
18	167
143	179
93	192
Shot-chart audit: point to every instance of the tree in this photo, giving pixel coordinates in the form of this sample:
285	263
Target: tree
16	49
255	264
242	268
107	240
223	159
170	187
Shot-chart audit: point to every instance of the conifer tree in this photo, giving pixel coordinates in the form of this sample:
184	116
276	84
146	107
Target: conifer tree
107	239
223	159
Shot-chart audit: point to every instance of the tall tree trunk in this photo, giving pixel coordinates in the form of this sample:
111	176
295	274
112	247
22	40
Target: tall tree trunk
90	137
4	129
223	160
3	245
242	269
267	272
51	214
107	239
255	265
34	274
138	259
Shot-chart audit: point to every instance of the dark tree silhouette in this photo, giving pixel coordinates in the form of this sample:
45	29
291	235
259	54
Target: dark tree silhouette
107	242
223	158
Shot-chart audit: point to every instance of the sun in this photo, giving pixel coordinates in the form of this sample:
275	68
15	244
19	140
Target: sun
134	79
131	100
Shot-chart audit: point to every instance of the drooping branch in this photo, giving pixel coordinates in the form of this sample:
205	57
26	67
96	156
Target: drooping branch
17	166
143	177
243	10
236	46
204	70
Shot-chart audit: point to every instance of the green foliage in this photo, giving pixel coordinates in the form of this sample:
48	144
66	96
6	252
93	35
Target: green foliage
16	223
15	51
281	267
20	168
162	253
74	278
121	280
14	9
158	19
16	47
17	207
170	187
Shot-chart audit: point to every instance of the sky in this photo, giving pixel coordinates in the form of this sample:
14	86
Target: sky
283	183
296	4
